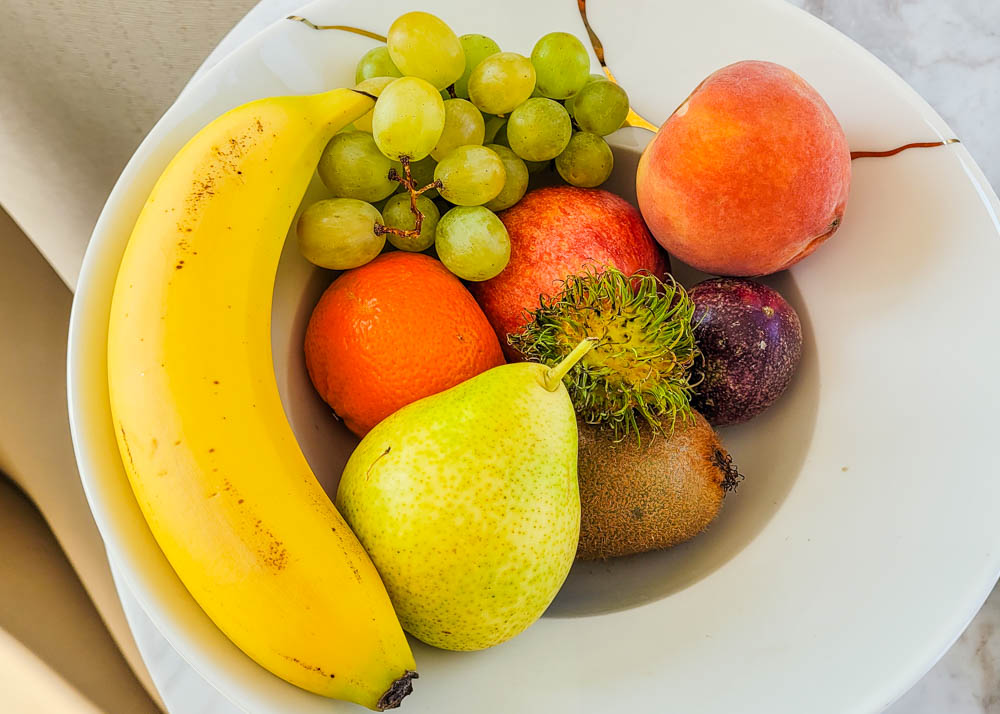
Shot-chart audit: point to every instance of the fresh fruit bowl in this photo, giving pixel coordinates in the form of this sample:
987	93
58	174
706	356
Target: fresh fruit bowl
865	539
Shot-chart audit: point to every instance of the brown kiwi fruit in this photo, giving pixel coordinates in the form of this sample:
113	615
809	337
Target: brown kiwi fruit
652	492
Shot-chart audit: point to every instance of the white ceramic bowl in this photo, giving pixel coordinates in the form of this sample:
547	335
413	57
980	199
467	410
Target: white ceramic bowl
865	535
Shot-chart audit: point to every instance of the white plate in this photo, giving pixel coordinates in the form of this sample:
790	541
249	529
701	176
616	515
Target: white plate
865	536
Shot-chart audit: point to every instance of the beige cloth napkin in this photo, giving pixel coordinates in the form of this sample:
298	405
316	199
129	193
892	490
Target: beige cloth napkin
33	686
81	82
74	664
41	601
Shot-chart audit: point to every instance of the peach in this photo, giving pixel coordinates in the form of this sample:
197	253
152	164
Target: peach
749	175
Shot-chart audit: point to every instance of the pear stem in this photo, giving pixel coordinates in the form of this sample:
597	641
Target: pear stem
553	375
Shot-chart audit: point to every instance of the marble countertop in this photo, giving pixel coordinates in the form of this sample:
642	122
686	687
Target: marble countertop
949	51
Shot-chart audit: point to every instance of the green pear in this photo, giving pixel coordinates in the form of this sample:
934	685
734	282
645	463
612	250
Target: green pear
467	502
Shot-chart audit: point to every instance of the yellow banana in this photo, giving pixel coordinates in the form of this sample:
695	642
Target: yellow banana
203	436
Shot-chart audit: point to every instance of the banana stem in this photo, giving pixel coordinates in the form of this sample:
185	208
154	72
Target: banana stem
399	690
553	375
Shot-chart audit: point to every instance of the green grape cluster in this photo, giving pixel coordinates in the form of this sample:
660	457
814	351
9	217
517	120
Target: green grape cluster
458	127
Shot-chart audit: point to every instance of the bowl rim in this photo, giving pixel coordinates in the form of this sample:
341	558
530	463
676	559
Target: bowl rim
153	594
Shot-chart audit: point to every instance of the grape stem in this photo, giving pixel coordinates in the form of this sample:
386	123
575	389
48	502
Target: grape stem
345	28
418	218
451	91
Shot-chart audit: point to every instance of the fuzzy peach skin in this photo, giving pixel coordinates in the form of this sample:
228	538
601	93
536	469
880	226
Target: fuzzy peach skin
749	175
556	232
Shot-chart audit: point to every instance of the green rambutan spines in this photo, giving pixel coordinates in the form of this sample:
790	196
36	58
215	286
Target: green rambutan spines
641	363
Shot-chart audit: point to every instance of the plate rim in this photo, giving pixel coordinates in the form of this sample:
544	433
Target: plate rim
151	602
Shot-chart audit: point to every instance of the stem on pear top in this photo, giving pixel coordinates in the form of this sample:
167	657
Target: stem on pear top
553	375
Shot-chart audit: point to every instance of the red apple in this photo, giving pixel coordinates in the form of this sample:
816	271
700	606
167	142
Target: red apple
749	175
556	232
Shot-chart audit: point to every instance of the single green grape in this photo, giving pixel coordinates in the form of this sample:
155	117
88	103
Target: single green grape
397	214
601	107
373	86
539	129
339	233
375	63
422	45
501	82
352	166
493	125
470	175
586	161
517	179
408	119
501	139
422	173
463	124
477	48
572	100
472	243
561	65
